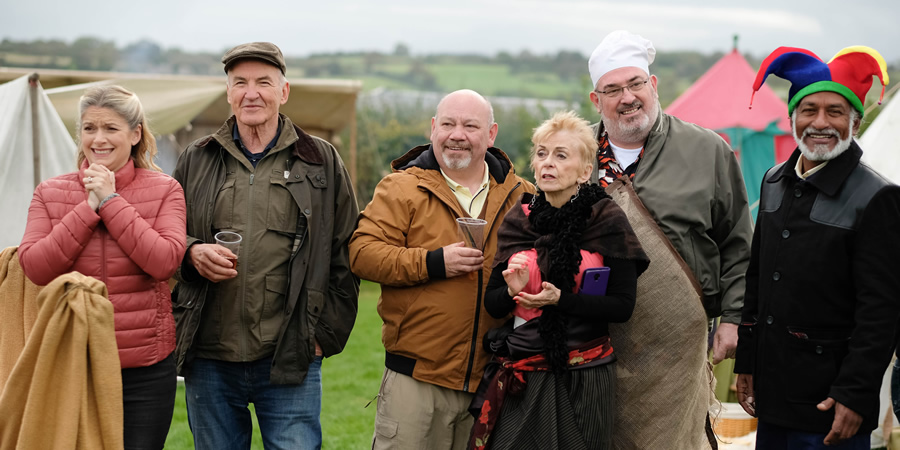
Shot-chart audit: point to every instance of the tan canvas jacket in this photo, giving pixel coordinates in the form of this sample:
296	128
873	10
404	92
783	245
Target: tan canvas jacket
433	326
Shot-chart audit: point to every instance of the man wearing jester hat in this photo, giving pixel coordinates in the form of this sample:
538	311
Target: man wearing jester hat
820	308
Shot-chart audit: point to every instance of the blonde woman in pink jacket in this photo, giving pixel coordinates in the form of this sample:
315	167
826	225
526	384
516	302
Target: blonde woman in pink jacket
121	220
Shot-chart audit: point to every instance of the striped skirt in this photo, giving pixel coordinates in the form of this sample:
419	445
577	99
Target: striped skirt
570	412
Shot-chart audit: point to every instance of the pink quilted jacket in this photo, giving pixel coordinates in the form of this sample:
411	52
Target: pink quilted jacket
133	245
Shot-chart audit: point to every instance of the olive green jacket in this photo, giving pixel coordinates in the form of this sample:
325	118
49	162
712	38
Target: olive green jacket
322	293
690	181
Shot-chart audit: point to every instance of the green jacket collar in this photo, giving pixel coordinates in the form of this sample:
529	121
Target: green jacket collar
304	146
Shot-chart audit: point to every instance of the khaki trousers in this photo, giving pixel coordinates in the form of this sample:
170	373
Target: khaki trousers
416	415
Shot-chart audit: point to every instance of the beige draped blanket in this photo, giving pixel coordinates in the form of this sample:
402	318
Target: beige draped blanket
18	310
664	378
65	390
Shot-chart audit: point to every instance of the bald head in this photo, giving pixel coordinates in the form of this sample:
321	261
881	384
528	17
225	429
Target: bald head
470	97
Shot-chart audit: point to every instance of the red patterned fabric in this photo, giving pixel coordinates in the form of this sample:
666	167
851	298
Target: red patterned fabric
510	379
609	168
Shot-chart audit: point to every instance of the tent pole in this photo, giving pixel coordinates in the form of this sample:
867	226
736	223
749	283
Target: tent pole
33	83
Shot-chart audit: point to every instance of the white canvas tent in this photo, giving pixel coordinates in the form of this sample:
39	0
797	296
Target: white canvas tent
189	106
881	141
180	107
881	150
36	146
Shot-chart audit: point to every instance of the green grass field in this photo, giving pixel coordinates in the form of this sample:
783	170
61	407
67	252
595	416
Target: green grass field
496	80
349	381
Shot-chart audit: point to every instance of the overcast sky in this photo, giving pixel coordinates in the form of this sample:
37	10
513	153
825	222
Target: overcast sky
481	26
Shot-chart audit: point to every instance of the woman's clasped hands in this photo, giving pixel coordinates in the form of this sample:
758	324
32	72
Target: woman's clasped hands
99	182
516	276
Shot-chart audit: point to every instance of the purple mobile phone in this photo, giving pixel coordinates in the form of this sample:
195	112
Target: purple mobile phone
594	281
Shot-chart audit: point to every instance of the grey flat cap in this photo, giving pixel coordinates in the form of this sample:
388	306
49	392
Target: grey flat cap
264	51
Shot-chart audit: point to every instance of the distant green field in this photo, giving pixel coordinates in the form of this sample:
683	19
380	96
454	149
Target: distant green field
349	381
495	79
489	79
372	82
396	69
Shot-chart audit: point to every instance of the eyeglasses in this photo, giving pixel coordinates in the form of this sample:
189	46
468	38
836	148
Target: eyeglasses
617	91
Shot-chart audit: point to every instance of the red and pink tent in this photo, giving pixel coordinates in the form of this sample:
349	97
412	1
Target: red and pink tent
720	101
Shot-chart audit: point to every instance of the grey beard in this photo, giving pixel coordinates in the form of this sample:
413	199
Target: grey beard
821	152
635	131
457	163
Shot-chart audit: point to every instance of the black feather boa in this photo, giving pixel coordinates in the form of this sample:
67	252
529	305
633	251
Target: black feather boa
564	226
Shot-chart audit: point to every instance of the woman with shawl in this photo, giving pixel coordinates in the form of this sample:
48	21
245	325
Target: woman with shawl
551	384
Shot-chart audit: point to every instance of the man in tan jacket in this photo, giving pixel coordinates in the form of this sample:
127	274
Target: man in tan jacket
432	286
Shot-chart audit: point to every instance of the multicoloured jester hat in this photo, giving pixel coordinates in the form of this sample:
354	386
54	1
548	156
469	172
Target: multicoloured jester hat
849	73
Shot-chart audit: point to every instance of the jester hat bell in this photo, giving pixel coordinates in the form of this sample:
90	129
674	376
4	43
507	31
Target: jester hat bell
849	73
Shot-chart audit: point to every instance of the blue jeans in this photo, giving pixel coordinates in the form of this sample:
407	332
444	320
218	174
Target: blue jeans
217	394
774	437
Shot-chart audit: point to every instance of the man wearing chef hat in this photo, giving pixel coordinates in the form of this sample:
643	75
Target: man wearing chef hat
687	177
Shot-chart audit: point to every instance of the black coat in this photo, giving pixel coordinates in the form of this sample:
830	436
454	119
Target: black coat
823	292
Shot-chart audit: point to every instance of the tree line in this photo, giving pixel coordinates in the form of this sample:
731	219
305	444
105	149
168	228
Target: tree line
400	65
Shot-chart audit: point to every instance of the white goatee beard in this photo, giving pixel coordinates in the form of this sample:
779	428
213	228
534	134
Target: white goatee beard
457	163
820	152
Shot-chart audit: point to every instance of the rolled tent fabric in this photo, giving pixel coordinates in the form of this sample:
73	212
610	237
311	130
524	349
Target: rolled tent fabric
65	391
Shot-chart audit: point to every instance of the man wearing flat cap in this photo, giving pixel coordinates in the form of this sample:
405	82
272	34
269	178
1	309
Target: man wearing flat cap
254	324
821	305
686	176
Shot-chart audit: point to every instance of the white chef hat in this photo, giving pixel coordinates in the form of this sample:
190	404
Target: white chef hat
620	49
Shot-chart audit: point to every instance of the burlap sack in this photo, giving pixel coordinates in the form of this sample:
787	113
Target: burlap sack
664	377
